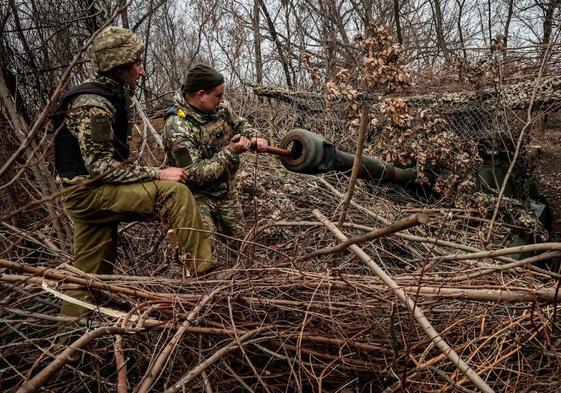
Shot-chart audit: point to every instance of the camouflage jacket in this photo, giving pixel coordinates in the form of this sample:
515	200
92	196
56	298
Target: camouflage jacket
90	118
197	142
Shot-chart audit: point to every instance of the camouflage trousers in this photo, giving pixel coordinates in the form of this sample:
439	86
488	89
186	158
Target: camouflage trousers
223	215
97	210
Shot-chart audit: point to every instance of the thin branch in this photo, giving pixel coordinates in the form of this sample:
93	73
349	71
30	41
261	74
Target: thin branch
154	371
357	165
405	223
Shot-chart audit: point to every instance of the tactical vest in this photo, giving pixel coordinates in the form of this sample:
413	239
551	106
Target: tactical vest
68	158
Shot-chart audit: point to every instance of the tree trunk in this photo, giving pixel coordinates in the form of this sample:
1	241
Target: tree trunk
37	163
460	30
124	14
328	40
489	27
257	43
26	48
507	23
282	57
337	20
367	17
396	11
439	26
91	22
549	11
9	198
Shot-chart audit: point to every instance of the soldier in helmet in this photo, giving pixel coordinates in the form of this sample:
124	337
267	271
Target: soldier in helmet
204	136
103	185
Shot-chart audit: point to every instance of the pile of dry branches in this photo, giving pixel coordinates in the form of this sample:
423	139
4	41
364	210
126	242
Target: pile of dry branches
289	316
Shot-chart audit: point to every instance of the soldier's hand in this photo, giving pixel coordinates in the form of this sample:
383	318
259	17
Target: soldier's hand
173	174
260	144
238	144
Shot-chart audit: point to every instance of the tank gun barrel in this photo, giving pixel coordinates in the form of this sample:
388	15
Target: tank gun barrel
312	153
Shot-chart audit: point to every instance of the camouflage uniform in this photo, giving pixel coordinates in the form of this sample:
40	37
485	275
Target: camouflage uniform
197	141
123	191
90	118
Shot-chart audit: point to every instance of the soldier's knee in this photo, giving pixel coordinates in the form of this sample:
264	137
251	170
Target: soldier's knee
168	185
175	190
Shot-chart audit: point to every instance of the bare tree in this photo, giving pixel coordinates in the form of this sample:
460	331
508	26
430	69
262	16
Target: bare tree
276	40
548	9
510	8
439	27
461	4
257	42
397	17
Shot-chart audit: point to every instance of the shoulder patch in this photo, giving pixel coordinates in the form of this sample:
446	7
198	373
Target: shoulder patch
171	111
101	129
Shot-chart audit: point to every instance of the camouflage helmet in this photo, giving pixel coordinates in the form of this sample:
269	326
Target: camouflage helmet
115	46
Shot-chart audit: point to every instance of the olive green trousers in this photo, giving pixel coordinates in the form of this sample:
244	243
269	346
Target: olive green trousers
224	214
97	210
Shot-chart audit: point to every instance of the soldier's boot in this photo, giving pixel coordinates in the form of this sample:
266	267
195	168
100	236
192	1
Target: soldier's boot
95	252
176	268
182	267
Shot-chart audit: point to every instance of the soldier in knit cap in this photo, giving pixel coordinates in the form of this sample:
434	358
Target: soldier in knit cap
204	136
102	185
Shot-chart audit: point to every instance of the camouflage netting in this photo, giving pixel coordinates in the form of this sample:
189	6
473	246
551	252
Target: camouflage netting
469	114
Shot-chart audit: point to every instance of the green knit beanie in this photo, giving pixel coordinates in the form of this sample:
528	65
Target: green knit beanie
201	77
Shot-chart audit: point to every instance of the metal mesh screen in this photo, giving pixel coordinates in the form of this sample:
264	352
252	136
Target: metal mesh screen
468	114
